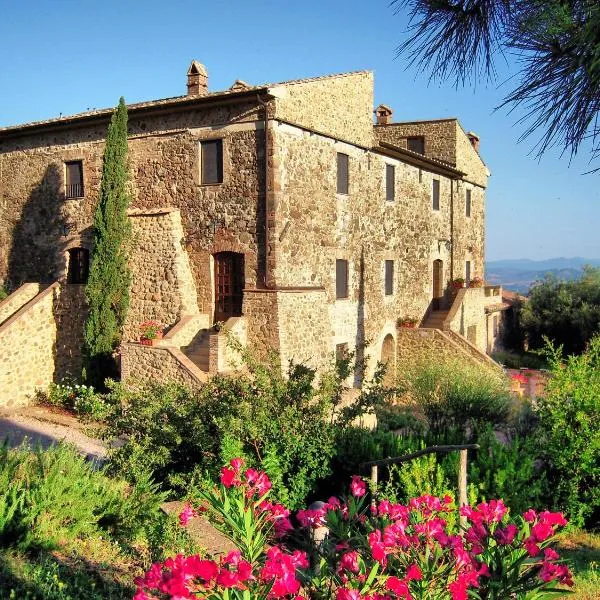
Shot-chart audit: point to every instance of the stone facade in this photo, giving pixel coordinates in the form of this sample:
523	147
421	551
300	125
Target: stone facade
276	206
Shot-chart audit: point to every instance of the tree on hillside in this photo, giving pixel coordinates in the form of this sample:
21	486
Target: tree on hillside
107	290
556	44
566	312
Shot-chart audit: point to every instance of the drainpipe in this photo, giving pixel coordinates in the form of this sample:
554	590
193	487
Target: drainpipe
266	202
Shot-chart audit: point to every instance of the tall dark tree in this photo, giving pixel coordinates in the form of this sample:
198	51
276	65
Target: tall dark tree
556	44
107	289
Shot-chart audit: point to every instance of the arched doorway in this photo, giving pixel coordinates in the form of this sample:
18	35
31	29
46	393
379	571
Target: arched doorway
79	265
229	285
388	358
438	284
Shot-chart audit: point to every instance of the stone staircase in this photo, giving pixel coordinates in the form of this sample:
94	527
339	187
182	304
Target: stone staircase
199	349
435	319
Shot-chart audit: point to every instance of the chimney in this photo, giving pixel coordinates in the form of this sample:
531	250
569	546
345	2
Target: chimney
474	139
197	79
384	114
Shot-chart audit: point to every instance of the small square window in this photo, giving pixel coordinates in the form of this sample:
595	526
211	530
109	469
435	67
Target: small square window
74	179
390	182
341	278
211	155
389	277
416	144
435	194
468	203
342	173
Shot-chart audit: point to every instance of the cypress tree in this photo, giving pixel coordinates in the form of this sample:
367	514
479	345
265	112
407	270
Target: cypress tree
107	290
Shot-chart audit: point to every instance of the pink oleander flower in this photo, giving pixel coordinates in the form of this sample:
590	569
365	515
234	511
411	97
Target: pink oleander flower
506	535
345	594
399	587
349	562
187	514
414	573
358	487
258	481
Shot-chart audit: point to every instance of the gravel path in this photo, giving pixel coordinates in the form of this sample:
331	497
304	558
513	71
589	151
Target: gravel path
43	427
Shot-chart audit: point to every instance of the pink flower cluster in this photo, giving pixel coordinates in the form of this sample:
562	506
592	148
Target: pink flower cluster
374	550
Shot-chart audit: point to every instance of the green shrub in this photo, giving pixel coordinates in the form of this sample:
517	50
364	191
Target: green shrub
569	435
513	360
53	496
452	394
84	400
3	293
287	425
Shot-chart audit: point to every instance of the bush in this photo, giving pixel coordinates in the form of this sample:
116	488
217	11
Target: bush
569	436
374	549
287	425
84	400
452	394
50	497
514	360
3	293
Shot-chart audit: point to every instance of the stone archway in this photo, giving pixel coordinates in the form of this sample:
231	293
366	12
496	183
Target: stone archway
388	358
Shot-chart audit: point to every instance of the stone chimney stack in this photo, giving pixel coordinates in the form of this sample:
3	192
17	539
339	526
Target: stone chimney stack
474	139
384	114
197	79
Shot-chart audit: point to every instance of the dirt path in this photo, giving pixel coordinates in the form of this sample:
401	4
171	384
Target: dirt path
39	425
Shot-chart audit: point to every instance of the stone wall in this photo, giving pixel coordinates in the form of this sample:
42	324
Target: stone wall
468	318
162	285
314	226
339	105
70	314
19	298
27	350
158	363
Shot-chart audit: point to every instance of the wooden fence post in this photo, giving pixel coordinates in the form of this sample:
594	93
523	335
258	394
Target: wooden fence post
462	484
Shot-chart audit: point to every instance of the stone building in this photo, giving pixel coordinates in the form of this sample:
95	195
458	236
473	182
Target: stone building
282	210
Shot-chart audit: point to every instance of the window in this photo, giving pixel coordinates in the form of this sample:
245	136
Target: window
342	173
74	179
416	144
435	194
341	352
389	277
495	326
390	182
341	278
467	273
211	154
79	265
468	204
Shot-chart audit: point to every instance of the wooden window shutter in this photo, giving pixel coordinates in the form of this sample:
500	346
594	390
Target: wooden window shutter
435	193
390	182
416	144
212	161
341	278
389	277
342	173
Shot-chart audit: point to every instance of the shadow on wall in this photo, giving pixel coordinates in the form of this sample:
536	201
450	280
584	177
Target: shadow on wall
359	372
34	254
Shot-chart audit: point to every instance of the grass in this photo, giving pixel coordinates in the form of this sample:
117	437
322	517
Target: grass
582	549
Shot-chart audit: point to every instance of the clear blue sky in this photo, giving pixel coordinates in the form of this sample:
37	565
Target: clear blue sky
65	56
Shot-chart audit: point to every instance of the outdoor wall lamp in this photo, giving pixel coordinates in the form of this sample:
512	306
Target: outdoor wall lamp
67	228
215	223
446	243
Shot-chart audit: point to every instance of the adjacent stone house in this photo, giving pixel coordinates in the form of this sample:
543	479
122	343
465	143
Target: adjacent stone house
281	210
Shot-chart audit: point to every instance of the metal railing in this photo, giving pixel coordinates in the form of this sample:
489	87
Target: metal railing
74	190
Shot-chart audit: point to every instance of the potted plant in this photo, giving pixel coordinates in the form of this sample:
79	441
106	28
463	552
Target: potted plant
407	322
476	282
218	325
457	284
151	333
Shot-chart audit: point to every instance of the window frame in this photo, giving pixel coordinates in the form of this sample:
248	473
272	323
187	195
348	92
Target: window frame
390	191
342	184
342	262
219	166
436	201
388	282
68	194
468	202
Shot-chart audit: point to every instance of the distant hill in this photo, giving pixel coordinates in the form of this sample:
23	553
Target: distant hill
519	274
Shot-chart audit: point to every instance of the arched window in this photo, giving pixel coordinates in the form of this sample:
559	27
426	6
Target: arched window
388	358
79	265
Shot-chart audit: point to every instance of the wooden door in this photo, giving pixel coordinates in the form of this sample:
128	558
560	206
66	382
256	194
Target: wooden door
229	285
438	285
